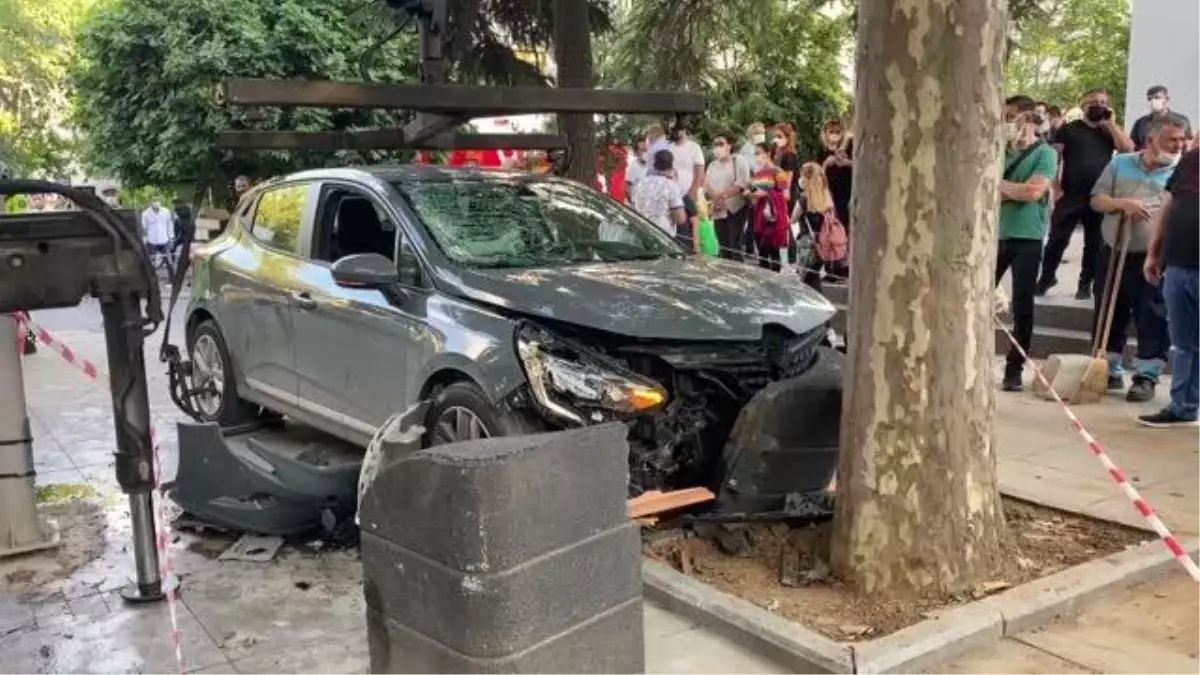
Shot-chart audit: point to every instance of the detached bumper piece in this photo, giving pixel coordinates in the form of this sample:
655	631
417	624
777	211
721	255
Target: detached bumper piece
287	482
783	450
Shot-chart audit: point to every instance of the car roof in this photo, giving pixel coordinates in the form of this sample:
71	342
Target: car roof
401	173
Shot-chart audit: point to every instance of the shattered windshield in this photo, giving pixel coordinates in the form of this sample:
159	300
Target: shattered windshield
531	222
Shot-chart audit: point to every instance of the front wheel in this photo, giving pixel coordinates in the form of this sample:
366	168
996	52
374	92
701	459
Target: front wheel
216	399
462	412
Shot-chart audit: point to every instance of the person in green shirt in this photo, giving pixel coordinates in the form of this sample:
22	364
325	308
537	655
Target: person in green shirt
1030	166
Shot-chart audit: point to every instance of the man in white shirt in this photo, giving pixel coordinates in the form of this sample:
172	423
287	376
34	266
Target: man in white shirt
637	168
688	163
158	226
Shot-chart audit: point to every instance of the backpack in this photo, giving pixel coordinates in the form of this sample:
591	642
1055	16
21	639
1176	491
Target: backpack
833	245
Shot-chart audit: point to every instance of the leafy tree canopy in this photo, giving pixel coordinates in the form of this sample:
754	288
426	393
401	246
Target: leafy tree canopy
760	60
1062	48
149	69
36	47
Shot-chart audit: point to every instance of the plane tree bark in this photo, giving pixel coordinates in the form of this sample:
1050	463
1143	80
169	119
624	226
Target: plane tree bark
919	509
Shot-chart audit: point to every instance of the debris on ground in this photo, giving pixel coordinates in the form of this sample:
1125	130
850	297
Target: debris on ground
82	523
785	569
253	548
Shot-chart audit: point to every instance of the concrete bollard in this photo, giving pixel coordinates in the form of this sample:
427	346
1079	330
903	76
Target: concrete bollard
506	555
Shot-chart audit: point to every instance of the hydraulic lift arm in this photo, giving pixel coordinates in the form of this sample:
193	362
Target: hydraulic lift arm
53	259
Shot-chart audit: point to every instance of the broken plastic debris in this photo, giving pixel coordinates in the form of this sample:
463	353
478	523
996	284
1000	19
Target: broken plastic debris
253	548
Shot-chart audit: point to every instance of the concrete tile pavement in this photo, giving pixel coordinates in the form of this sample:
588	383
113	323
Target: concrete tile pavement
1042	458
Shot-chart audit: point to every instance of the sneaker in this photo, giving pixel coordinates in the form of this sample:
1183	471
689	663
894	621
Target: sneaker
1140	391
1011	382
1044	285
1084	292
1165	419
1116	382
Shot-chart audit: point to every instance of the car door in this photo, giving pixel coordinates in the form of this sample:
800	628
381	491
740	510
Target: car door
258	292
357	348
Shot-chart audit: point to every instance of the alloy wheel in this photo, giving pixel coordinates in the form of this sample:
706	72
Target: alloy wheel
208	375
456	424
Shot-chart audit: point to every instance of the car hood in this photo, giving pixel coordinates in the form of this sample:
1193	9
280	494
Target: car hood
668	298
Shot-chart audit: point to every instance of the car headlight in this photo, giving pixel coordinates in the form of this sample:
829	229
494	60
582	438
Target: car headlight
583	382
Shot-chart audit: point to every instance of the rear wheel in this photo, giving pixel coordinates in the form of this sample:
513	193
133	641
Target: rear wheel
462	412
212	376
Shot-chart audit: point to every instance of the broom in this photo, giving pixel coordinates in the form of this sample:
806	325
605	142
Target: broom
1083	379
1095	378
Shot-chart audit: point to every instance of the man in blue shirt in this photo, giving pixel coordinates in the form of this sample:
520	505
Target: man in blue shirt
1129	193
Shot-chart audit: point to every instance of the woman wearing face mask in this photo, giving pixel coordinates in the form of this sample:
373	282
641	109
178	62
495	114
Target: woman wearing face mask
768	192
725	183
783	140
837	158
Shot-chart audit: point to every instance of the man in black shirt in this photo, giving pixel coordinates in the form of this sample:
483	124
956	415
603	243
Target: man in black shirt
1086	147
1173	257
1159	101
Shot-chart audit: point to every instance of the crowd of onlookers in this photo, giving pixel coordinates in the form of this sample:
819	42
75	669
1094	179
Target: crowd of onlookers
765	203
1135	197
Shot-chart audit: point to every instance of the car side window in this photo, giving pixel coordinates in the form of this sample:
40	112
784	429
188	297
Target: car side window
278	217
349	222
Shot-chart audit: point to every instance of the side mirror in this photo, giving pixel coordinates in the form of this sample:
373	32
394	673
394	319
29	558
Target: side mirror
365	270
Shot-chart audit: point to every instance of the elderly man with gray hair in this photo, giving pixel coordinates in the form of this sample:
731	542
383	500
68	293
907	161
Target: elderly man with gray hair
1129	193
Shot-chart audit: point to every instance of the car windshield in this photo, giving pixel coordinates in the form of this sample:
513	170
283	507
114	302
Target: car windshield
531	222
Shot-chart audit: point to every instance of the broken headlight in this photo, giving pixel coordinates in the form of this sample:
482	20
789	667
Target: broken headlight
563	380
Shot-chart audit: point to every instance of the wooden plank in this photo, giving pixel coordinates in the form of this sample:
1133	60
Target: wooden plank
383	139
653	502
454	99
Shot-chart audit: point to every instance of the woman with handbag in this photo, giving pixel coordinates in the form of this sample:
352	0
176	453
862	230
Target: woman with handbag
822	234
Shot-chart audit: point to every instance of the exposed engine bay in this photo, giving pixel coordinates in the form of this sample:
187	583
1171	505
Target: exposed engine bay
681	400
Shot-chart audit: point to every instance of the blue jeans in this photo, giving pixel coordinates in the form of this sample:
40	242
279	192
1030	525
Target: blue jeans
1181	290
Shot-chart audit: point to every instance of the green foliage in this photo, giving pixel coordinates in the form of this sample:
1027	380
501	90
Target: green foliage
36	47
139	198
759	60
1063	48
149	69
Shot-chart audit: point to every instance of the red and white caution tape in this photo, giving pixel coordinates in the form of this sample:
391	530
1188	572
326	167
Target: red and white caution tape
162	537
1143	507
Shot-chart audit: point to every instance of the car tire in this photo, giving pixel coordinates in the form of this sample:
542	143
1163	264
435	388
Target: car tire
207	343
455	404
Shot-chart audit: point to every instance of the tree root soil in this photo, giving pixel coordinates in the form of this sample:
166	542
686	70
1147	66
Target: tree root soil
749	562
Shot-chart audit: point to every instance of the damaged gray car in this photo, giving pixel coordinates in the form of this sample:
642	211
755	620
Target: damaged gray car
513	304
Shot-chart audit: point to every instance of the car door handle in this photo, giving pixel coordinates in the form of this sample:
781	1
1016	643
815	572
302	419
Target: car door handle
304	301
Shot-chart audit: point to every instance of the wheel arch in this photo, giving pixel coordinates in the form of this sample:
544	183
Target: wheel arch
442	378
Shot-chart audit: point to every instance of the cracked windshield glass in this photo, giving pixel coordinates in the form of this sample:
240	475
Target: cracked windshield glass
531	223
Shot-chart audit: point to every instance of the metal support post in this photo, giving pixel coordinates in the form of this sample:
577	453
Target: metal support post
135	452
21	531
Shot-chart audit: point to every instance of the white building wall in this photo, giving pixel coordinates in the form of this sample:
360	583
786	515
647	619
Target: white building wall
1164	48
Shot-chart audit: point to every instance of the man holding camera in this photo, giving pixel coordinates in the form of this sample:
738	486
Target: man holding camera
1086	146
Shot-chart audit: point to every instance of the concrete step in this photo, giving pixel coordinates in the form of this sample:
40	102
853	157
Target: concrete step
1056	312
1047	340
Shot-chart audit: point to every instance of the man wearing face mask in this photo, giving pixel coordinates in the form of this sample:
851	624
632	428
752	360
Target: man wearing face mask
1085	146
755	134
1159	102
1129	193
1029	167
688	159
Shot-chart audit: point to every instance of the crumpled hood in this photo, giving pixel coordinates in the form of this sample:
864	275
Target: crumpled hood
668	298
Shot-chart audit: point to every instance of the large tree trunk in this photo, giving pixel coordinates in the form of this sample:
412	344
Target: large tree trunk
573	59
919	508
